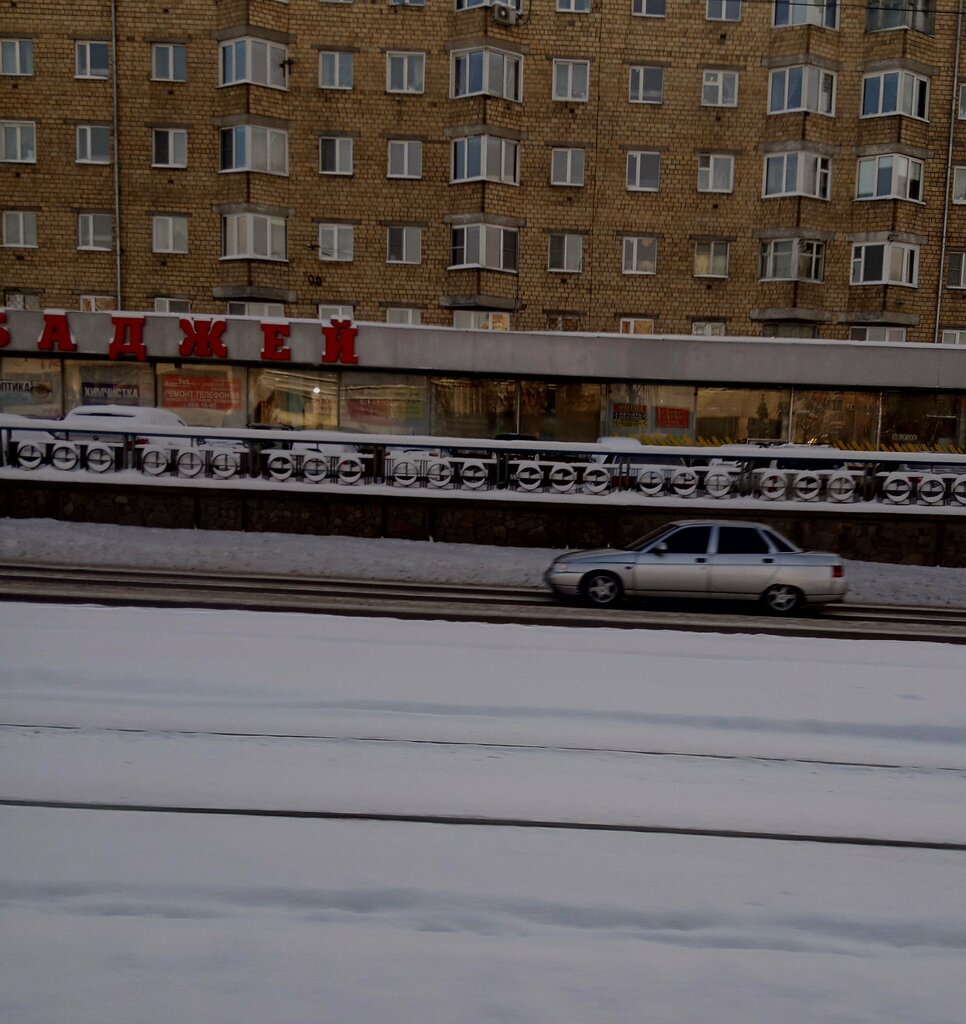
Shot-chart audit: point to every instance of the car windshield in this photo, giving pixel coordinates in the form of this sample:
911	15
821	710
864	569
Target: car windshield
648	538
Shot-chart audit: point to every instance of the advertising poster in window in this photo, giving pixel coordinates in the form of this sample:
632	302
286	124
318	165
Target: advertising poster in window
30	387
385	405
203	397
98	383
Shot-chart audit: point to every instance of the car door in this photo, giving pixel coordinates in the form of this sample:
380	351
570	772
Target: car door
742	565
674	565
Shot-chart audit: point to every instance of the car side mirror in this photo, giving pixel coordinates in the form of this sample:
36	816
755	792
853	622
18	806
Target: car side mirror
660	549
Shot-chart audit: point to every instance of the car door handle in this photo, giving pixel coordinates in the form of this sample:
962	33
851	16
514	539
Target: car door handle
768	561
701	559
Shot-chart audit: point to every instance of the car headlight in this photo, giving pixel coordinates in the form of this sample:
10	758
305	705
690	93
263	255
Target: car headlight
561	567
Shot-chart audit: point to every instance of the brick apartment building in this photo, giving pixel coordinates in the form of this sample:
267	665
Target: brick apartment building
742	167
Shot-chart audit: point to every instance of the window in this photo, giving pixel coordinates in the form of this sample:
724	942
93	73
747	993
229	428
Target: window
97	303
807	12
404	72
335	154
335	242
403	315
959	184
950	337
646	84
253	236
255	61
690	540
877	333
962	102
484	245
255	307
487	157
18	142
566	253
649	8
571	80
711	258
723	10
334	311
797	174
640	254
20	229
16	57
169	147
792	259
488	72
885	263
170	233
481	320
404	244
335	69
716	172
164	304
21	300
252	147
889	177
94	231
956	270
643	171
573	6
895	92
919	15
169	62
719	89
636	325
708	328
93	144
801	87
91	60
567	167
405	159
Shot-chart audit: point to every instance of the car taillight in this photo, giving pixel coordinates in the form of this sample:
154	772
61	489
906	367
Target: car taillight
838	572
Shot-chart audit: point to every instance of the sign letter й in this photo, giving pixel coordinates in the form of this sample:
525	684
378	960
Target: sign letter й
340	339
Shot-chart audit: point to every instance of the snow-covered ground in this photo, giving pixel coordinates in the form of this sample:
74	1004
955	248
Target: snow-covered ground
161	918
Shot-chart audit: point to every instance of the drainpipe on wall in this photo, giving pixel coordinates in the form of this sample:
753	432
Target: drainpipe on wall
953	114
115	128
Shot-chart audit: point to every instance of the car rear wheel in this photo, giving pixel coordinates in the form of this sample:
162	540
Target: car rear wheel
601	589
782	600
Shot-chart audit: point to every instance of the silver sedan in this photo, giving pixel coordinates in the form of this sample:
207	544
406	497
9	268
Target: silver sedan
732	561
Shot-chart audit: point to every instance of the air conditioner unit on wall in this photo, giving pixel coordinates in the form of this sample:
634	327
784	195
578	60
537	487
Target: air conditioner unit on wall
505	14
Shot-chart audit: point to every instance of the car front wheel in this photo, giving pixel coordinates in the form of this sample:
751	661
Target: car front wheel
601	589
782	600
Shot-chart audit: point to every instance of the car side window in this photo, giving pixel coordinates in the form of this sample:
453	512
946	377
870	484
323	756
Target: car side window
740	540
692	540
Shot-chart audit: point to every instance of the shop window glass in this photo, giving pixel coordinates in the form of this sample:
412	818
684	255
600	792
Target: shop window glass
301	399
31	387
464	407
651	412
736	415
560	412
204	396
931	420
834	417
90	383
384	403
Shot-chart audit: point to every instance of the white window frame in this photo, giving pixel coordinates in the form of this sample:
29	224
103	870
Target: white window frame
959	184
407	155
956	269
723	10
878	333
255	307
491	157
95	232
170	304
17	57
19	229
486	71
640	162
404	243
719	88
954	336
804	258
567	168
715	256
716	172
917	15
638	90
905	175
565	253
481	320
709	328
573	6
639	254
408	69
15	299
823	13
335	311
899	260
336	69
341	148
410	315
254	236
637	325
485	246
571	80
801	87
798	173
249	60
93	142
911	95
86	59
169	233
18	142
96	303
649	8
336	243
177	138
169	62
253	148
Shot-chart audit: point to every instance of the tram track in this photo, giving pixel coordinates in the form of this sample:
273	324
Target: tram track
456	602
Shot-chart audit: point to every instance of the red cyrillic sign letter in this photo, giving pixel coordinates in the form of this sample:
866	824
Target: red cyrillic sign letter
128	338
56	334
340	342
275	347
202	338
4	333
